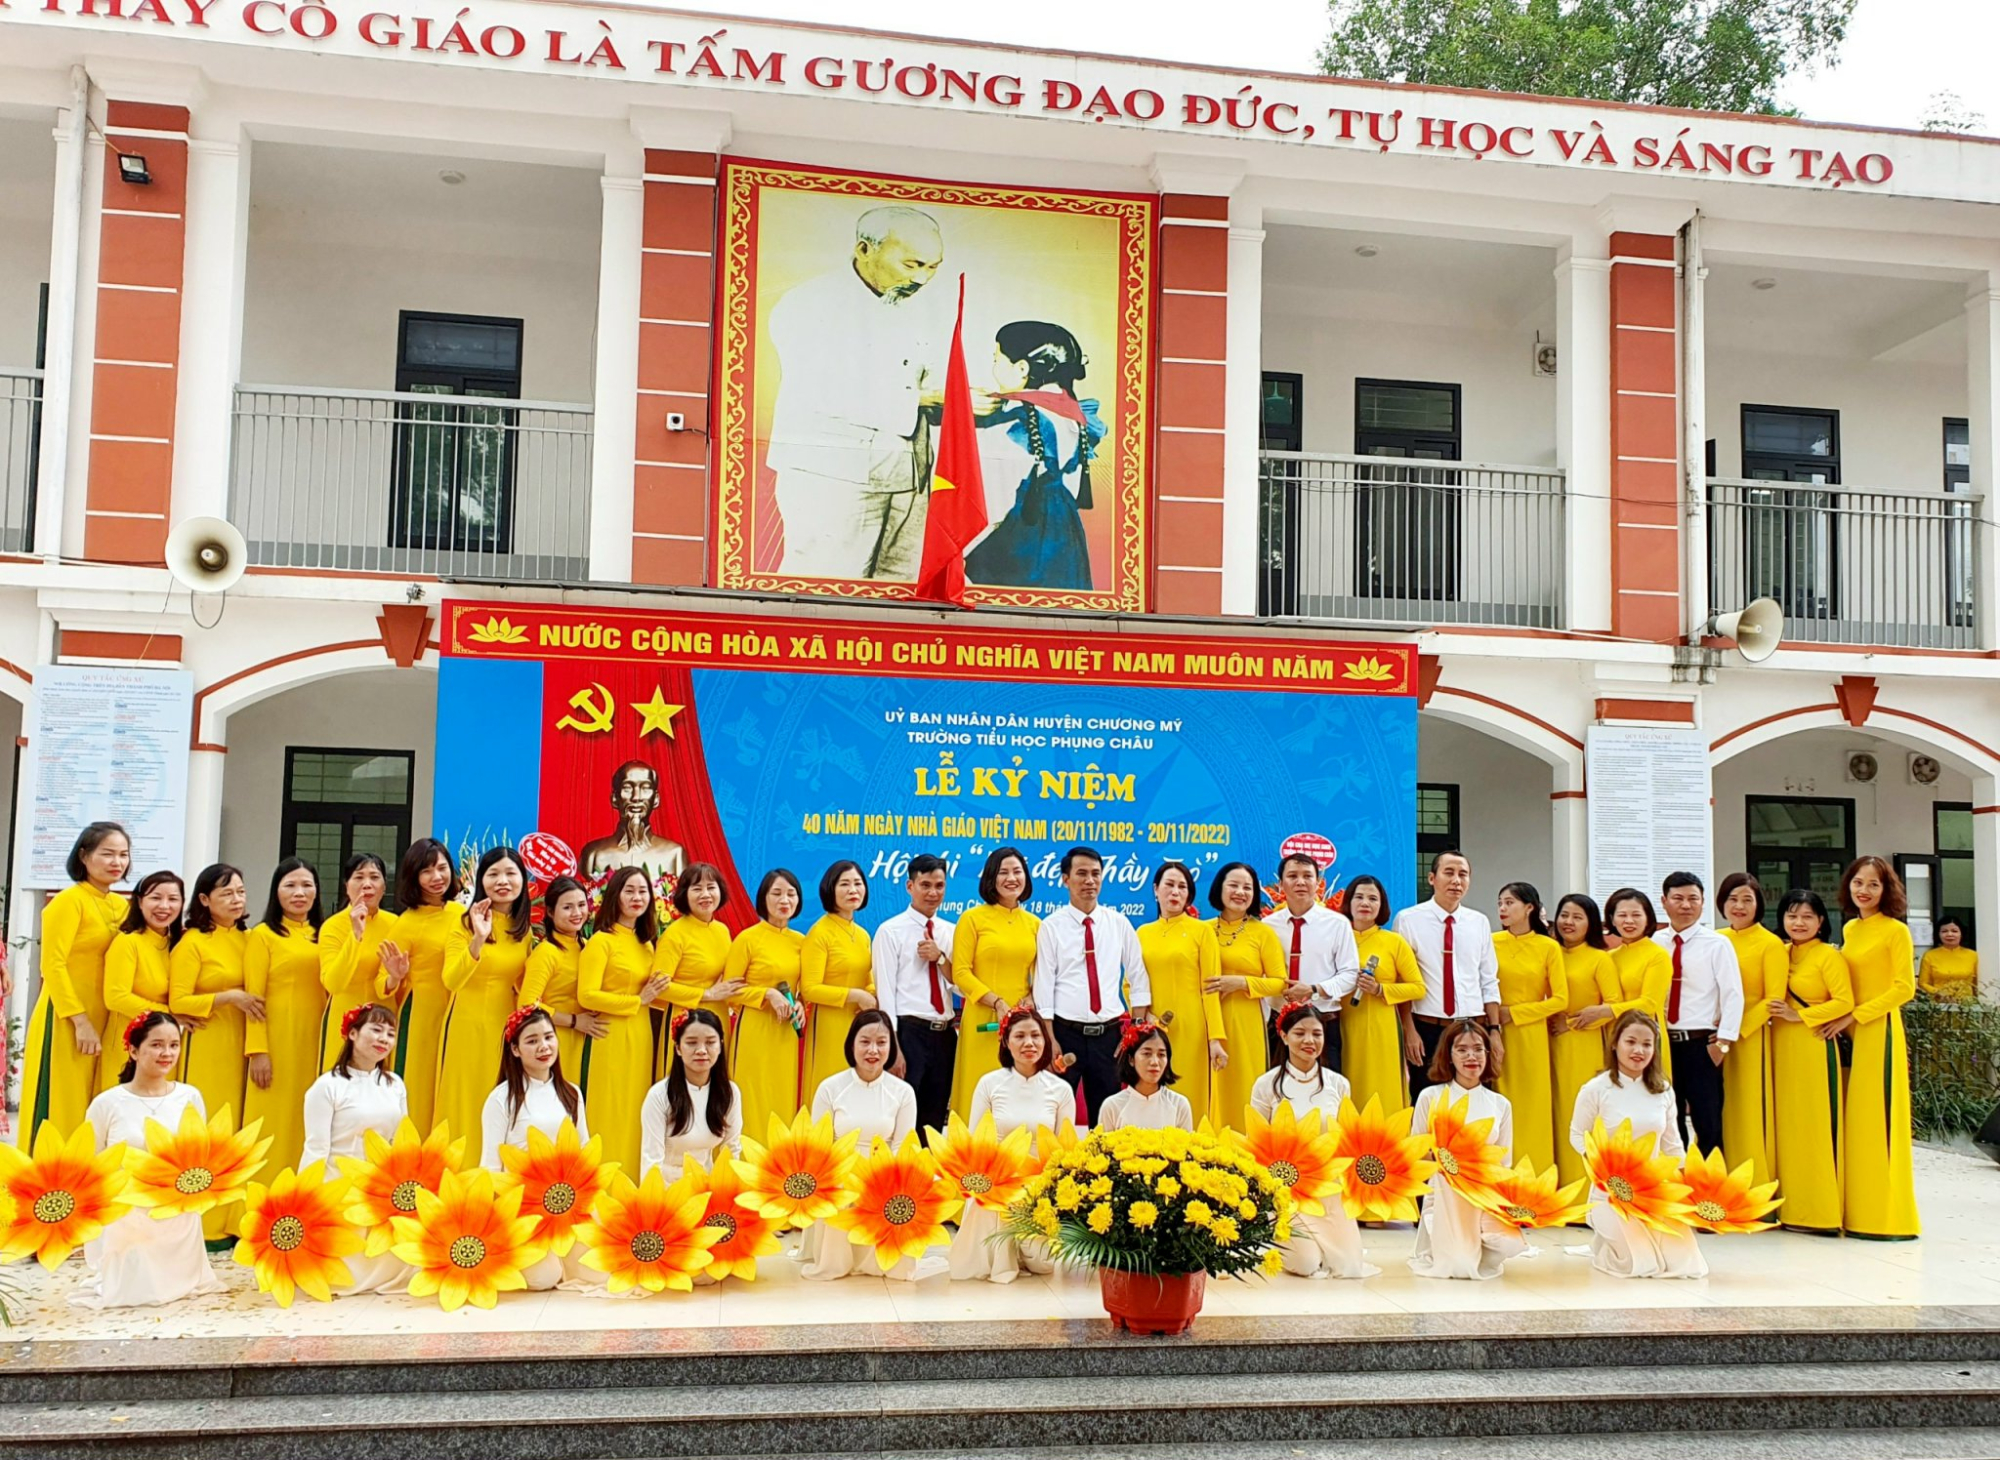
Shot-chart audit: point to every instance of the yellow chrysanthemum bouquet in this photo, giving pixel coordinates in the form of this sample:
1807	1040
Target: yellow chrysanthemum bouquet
1155	1201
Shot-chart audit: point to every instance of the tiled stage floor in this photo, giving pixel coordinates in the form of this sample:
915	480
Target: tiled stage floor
1956	1263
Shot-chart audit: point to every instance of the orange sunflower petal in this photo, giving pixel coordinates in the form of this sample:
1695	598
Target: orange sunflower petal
383	1184
466	1243
651	1235
295	1237
803	1176
203	1165
1463	1150
746	1235
1300	1154
1640	1185
902	1201
1724	1200
982	1167
1387	1168
559	1181
63	1196
1526	1198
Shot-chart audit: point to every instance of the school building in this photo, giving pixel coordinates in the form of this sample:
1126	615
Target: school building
424	303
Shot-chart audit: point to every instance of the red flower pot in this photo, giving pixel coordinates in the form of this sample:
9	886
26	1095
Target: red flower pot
1147	1302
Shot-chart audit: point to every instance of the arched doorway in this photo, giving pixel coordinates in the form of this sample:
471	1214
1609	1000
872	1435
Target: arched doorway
1507	790
329	766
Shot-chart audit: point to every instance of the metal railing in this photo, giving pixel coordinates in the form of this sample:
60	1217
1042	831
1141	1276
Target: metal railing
1850	565
20	446
411	482
1392	539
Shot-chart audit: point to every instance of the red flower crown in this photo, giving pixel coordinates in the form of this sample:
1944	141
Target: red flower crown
353	1019
132	1029
520	1017
1138	1031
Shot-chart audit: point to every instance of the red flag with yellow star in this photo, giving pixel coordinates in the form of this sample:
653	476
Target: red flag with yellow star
957	512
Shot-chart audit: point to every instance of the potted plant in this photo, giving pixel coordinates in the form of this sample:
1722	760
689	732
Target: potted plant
1155	1212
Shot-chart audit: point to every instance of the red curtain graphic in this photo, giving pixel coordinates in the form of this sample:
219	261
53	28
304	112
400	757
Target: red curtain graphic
594	720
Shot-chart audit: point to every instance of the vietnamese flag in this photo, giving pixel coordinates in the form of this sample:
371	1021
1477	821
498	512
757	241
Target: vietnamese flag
958	488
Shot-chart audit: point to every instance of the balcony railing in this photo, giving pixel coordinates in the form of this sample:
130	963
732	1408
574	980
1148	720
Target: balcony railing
1849	565
1409	541
20	445
412	482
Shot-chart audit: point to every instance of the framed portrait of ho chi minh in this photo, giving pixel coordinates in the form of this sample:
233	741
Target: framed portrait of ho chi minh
837	297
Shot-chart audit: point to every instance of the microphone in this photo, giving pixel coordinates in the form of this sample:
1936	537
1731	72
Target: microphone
1369	969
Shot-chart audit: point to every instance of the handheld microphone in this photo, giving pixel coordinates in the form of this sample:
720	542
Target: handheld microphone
1369	970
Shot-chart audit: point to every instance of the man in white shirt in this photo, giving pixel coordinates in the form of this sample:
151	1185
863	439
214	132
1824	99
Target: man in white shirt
861	360
1704	1008
1089	972
1321	964
1453	945
912	955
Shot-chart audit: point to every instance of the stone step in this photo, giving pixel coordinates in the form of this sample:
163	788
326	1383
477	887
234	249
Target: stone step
1938	1444
1235	1410
1023	1351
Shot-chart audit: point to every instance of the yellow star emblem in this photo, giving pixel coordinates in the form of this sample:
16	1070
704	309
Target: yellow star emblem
658	715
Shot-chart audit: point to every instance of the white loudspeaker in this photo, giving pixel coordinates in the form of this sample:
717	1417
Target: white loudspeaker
206	554
1758	628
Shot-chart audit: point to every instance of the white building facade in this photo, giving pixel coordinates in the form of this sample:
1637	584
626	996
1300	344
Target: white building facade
1638	367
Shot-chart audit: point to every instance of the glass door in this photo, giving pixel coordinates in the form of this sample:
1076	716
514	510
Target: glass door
454	462
1407	517
1790	538
1799	841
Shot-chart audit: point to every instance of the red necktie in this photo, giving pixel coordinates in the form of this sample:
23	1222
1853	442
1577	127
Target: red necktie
1090	967
1450	973
937	989
1674	997
1298	937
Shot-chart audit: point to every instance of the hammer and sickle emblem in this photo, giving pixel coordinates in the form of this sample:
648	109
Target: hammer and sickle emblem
593	712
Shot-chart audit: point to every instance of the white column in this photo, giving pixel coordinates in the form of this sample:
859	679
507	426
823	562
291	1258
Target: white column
1982	381
24	908
1583	430
211	349
1986	879
1694	434
59	349
204	807
1569	839
615	423
1242	417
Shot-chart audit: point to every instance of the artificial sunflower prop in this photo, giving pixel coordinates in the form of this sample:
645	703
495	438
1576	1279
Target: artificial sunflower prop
804	1176
902	1201
1641	1186
985	1169
650	1236
1724	1200
63	1196
1387	1169
384	1183
203	1165
1299	1153
294	1236
1050	1143
1461	1147
467	1243
1526	1198
746	1235
559	1180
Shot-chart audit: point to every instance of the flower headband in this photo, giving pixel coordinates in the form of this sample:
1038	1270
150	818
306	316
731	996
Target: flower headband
1138	1031
354	1018
520	1017
132	1030
1292	1013
1014	1016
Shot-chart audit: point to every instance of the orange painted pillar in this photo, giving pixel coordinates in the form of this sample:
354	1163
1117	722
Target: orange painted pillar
670	491
1190	348
1645	439
136	355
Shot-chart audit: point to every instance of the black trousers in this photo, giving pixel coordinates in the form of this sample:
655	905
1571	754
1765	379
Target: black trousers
1697	1087
1096	1067
1432	1034
928	1055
